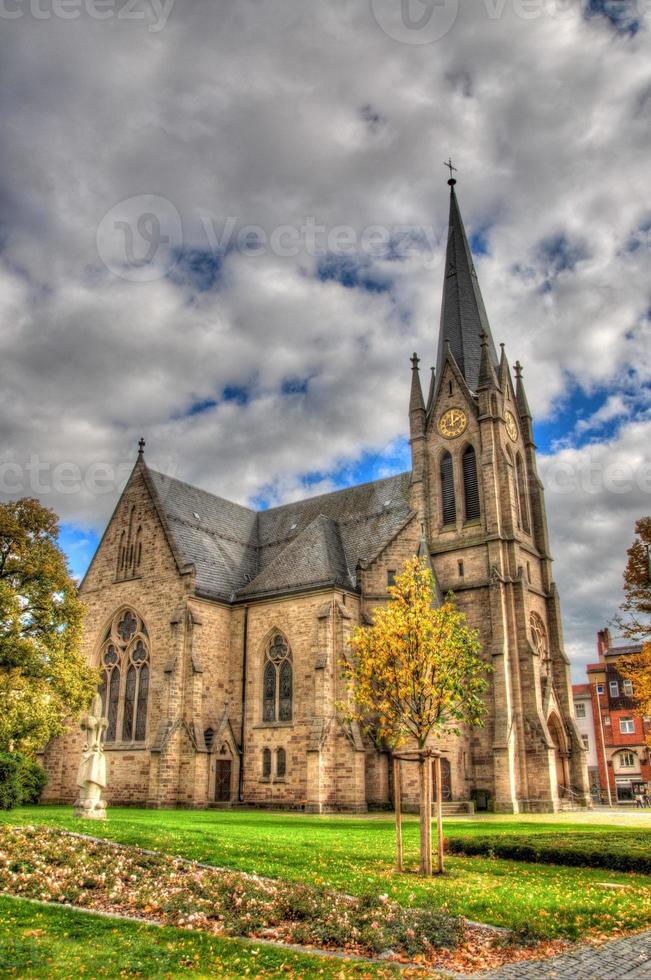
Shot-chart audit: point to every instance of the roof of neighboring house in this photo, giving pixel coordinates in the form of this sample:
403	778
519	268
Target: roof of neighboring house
623	651
578	690
238	552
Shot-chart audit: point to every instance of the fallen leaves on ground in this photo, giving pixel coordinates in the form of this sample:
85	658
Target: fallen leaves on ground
54	866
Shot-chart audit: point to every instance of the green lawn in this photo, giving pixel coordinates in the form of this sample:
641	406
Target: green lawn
355	855
37	941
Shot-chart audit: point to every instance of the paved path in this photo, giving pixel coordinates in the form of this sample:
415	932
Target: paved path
621	959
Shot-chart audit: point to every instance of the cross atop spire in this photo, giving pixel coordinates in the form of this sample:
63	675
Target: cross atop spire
463	315
141	447
450	167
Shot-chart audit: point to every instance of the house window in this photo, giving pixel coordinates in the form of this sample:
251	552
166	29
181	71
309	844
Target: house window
627	687
281	763
277	681
606	719
124	688
613	687
600	689
627	760
470	484
391	578
266	763
448	499
586	741
627	726
579	709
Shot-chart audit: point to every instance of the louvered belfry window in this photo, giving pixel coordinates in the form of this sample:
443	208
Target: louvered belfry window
470	484
448	501
277	681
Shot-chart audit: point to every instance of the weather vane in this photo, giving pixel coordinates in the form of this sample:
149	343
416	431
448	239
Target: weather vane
450	166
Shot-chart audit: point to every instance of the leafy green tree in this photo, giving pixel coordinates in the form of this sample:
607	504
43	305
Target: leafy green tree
416	673
44	679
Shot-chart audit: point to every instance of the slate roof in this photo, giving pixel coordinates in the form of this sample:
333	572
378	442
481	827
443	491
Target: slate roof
463	314
238	552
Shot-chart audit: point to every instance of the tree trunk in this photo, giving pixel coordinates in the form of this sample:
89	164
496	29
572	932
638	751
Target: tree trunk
425	817
397	791
439	815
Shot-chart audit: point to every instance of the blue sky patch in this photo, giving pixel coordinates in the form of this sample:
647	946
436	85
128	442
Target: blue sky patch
197	269
353	272
80	546
622	14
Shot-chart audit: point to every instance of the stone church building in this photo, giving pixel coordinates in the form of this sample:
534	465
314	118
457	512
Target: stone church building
219	630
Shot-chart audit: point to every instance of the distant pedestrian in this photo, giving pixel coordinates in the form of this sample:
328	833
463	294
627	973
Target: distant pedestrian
639	799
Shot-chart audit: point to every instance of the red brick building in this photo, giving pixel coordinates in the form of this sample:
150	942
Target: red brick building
620	730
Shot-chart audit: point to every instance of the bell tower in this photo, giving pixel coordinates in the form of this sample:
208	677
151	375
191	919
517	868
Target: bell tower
477	492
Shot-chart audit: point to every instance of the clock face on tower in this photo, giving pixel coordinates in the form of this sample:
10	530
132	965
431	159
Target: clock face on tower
511	427
453	423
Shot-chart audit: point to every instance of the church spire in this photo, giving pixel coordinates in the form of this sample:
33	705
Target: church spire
463	315
416	403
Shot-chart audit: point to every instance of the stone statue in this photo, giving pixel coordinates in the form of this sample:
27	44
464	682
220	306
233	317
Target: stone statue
91	777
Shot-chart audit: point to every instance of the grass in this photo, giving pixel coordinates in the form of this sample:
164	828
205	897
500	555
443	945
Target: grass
37	941
356	855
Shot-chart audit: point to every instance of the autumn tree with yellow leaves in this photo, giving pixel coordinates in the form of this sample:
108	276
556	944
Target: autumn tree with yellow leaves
415	674
636	624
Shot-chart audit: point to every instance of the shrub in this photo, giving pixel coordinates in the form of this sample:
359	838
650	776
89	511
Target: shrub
33	779
10	782
21	780
616	851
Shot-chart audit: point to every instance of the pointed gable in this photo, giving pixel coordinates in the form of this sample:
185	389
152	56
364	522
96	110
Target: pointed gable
463	315
315	557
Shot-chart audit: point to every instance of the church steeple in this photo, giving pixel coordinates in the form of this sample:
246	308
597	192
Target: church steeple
463	315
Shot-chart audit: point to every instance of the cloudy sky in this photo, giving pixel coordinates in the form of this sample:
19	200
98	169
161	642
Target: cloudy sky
222	229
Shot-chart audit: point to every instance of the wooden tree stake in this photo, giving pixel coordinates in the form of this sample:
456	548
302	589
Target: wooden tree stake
397	791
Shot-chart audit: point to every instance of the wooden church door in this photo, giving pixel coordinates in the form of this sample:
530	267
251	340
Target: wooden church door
222	780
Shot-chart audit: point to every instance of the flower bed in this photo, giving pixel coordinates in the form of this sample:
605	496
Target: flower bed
55	866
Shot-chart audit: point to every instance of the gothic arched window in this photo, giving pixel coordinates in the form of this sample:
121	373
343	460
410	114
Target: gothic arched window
266	763
470	484
540	643
523	509
448	500
124	689
281	763
277	681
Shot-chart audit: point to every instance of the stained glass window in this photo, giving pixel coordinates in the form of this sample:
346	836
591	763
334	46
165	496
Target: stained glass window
124	687
281	763
277	681
114	699
129	703
266	763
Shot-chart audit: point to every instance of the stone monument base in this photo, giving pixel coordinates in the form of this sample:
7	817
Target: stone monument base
91	809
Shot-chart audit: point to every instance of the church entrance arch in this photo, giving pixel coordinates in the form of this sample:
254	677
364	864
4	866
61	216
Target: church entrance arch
560	752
